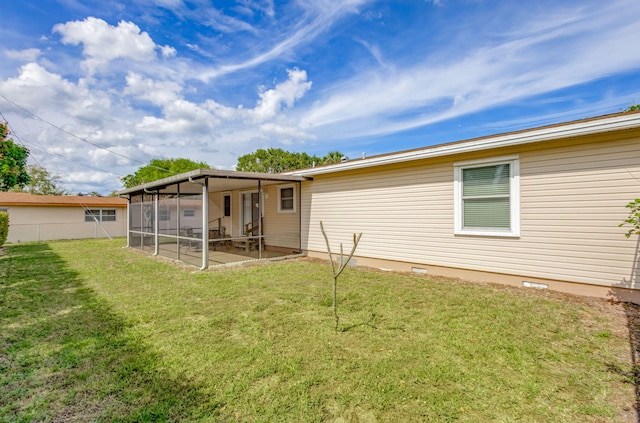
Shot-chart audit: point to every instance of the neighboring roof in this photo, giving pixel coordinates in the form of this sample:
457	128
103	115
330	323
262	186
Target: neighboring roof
590	126
218	180
26	199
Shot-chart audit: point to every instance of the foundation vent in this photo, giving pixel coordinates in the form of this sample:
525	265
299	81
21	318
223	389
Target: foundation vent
535	285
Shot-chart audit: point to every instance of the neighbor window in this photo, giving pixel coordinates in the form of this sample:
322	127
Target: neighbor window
188	213
487	197
4	210
164	215
286	199
100	215
227	205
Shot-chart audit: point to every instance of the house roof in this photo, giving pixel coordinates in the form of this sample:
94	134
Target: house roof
26	199
582	127
218	180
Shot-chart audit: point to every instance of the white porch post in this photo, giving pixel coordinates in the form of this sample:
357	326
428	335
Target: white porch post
129	221
205	224
156	224
259	219
178	233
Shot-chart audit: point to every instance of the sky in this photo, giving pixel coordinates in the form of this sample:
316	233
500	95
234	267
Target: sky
96	89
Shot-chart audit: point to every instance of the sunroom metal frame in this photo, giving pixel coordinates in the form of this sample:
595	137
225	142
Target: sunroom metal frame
202	182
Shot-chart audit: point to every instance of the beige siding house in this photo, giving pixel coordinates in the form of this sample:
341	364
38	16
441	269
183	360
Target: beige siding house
537	208
45	218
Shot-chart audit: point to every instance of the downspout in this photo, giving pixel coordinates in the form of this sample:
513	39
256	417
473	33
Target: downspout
300	217
205	221
259	219
178	221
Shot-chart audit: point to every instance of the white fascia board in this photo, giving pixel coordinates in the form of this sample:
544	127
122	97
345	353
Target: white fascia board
591	127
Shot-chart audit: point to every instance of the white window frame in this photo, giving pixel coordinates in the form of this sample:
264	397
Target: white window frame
164	214
100	215
514	197
280	188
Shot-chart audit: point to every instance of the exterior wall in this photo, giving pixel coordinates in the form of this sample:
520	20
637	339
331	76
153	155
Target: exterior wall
280	229
47	223
573	194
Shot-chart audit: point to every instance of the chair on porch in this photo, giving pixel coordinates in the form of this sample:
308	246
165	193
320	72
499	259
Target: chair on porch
187	231
217	237
251	229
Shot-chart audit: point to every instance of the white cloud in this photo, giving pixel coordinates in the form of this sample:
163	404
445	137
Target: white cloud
170	4
265	6
27	55
85	182
36	87
550	55
317	17
224	23
157	92
103	43
168	51
286	93
283	133
162	102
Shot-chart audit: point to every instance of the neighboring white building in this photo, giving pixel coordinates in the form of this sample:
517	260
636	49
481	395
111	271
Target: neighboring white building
48	217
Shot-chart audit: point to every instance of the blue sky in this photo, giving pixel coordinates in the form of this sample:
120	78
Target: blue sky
95	89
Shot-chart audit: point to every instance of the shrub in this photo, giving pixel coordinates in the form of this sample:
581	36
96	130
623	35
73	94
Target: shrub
634	218
4	227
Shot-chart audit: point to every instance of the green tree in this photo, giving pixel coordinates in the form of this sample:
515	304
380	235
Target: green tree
276	160
41	182
332	157
13	161
633	108
161	168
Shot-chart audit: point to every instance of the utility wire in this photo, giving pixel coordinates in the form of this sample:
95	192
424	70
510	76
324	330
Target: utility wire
37	146
78	137
18	138
75	162
67	132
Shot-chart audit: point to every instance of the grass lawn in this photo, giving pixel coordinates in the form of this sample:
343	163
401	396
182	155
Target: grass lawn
94	332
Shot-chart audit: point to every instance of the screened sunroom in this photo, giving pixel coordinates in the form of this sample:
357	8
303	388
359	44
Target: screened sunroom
212	217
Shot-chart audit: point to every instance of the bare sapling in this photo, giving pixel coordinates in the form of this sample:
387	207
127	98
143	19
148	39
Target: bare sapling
339	269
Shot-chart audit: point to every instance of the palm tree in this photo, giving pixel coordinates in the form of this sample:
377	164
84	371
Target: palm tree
332	157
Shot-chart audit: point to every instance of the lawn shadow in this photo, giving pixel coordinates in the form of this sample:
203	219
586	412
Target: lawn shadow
66	356
622	292
370	323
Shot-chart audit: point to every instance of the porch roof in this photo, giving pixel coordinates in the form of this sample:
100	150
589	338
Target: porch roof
219	180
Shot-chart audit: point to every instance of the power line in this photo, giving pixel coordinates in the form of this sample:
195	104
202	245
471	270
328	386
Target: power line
44	150
67	132
17	136
80	138
75	162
